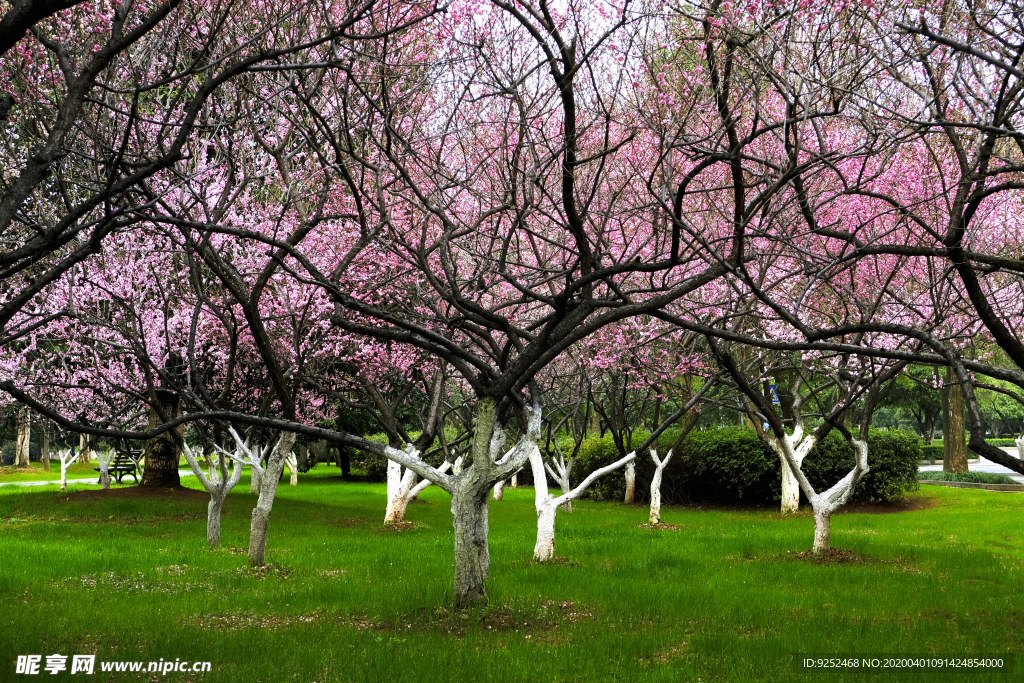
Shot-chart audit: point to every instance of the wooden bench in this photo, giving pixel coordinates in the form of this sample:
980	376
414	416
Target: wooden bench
121	465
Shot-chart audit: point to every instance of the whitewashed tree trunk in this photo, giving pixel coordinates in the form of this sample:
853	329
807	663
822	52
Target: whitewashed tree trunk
268	489
256	469
402	487
213	510
22	453
138	461
790	488
1020	446
104	462
219	484
544	548
791	449
211	467
499	490
293	469
794	449
827	502
515	481
547	504
457	467
655	517
630	482
66	460
561	473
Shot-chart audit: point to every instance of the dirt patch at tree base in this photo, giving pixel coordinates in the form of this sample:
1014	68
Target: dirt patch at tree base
553	561
399	527
663	526
829	556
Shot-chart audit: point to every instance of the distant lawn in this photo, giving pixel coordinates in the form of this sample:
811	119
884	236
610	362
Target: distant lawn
76	471
725	597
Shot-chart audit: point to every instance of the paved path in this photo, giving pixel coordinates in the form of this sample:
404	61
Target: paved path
87	480
984	465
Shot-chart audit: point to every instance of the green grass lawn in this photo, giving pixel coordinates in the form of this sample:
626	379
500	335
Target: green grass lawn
77	471
724	597
37	473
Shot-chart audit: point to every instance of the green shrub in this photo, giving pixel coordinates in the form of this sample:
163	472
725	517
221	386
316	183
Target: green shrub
935	451
968	477
893	458
733	466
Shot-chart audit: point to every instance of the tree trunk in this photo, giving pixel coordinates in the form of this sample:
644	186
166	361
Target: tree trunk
472	557
67	458
659	470
515	481
22	454
944	398
398	493
395	512
104	461
499	490
162	453
256	479
213	519
630	482
261	513
790	489
544	550
827	502
955	444
293	469
44	448
822	530
84	449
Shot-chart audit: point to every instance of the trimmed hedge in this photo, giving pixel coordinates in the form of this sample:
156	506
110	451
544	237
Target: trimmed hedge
968	477
935	452
733	466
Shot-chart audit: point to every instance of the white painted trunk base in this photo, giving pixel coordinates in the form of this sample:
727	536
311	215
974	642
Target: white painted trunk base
65	461
219	483
544	549
547	505
104	461
790	489
655	517
293	469
630	482
829	501
402	487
